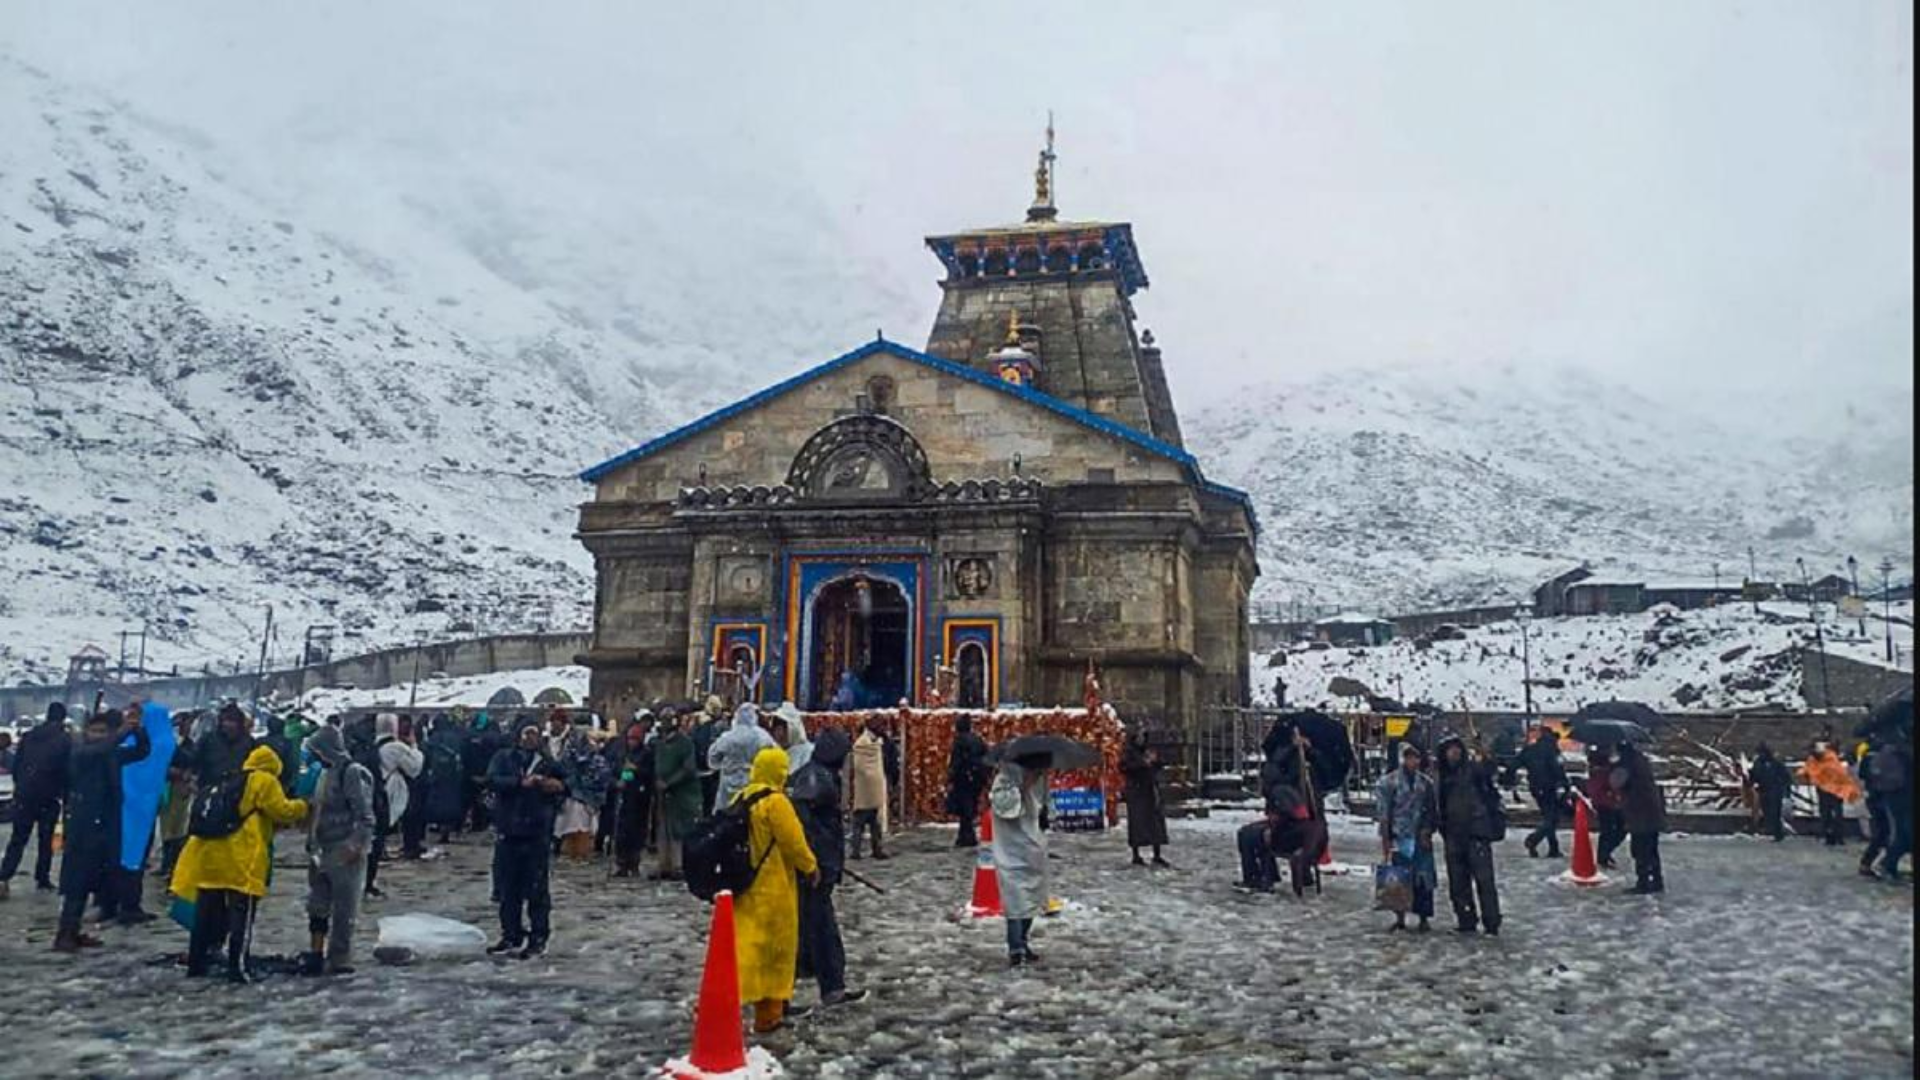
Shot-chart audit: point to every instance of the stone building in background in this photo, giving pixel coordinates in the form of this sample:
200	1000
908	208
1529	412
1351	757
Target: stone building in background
1014	503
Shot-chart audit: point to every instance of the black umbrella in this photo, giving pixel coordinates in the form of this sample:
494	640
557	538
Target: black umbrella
1605	732
1045	751
1894	715
1630	711
1332	747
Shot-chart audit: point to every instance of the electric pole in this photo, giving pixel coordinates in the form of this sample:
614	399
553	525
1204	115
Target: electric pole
1819	637
1753	578
1886	602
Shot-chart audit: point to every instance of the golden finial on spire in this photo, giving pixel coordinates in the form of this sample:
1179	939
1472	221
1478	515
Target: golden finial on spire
1013	329
1043	208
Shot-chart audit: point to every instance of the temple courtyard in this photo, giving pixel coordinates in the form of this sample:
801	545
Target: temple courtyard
1763	959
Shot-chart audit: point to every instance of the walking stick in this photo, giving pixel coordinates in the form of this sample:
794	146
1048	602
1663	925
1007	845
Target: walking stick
862	879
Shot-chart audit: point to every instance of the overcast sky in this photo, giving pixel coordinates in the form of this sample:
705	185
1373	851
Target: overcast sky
1681	195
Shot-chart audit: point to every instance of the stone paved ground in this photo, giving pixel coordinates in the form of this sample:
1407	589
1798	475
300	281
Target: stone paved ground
1763	959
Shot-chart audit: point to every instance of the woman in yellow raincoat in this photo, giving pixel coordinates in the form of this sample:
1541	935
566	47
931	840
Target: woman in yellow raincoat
767	914
224	878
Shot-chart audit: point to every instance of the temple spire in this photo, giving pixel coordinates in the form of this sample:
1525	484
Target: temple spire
1043	208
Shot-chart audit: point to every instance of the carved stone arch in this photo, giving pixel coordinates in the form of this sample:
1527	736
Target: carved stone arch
861	458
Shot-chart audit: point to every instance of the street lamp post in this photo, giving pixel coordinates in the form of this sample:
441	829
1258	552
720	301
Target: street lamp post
1521	615
1753	577
1886	602
1819	637
1853	572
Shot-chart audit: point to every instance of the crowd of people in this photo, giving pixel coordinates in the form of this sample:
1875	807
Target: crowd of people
370	788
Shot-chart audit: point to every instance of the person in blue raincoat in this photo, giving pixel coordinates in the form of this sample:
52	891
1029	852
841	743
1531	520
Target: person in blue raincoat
1404	805
142	783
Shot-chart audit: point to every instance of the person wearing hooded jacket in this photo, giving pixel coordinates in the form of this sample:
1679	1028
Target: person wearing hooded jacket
767	914
92	828
483	741
400	764
676	780
1018	793
731	755
339	836
1645	809
225	877
1470	819
40	784
633	802
1547	784
869	794
1140	769
815	789
967	776
1772	781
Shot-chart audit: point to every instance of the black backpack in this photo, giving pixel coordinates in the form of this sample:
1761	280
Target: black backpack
368	757
1888	769
719	855
215	812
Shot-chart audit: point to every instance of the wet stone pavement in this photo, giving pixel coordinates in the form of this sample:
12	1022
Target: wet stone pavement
1762	960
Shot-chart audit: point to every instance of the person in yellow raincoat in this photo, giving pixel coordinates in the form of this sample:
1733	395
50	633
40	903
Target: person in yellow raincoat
767	914
225	877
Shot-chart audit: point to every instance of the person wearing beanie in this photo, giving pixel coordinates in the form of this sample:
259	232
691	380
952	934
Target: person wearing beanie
92	828
223	751
39	786
339	839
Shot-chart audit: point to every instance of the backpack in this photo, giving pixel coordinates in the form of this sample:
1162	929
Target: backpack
333	818
1888	772
719	855
215	812
367	756
1006	798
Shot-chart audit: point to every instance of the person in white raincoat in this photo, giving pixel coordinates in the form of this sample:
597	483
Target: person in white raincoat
1019	852
731	755
798	746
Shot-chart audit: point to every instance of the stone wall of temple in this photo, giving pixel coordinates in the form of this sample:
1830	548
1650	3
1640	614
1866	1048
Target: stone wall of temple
1086	350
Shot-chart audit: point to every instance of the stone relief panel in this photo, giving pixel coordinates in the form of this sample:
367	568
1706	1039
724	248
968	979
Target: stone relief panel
972	577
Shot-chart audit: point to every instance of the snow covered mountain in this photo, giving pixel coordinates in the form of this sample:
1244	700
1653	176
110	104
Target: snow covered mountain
1401	490
369	416
355	381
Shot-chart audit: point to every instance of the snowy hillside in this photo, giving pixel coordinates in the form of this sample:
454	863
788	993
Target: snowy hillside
1722	658
1399	490
367	417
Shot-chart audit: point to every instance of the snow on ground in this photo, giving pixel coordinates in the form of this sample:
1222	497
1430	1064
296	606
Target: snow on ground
1719	658
440	694
1740	970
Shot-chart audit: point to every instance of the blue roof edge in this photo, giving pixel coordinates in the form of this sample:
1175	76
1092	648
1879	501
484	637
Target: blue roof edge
946	367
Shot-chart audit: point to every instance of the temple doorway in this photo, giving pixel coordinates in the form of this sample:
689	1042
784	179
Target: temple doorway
862	642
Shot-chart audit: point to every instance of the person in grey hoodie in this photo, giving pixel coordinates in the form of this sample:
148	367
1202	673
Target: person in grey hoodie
732	754
339	838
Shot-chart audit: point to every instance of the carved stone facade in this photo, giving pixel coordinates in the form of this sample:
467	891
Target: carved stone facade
846	533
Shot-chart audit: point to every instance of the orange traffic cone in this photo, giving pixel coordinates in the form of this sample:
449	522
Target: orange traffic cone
1584	871
719	1045
986	880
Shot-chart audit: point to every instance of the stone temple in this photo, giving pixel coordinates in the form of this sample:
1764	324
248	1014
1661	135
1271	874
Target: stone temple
1004	508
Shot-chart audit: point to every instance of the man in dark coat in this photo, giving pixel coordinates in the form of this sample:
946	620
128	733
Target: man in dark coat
1547	784
1292	826
527	789
967	774
1645	810
1886	774
445	776
92	831
39	785
1470	821
276	740
223	752
816	794
484	740
633	801
1140	767
1772	781
712	724
677	788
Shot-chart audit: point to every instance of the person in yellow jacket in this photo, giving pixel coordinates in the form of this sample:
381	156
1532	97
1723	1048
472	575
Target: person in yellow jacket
767	914
224	877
